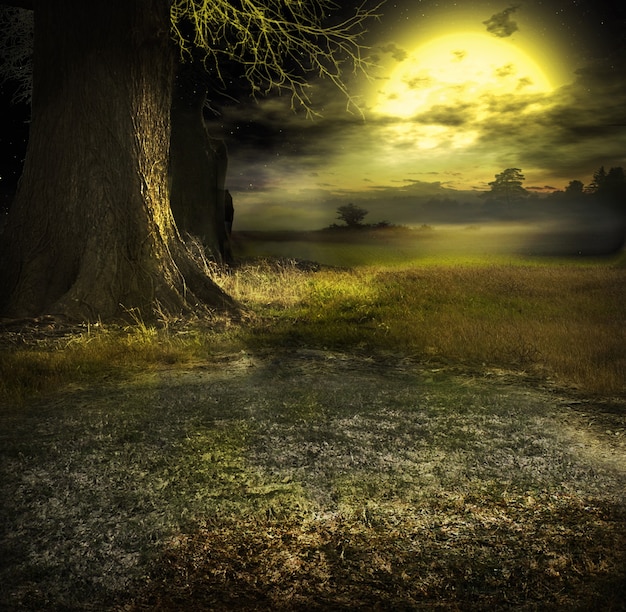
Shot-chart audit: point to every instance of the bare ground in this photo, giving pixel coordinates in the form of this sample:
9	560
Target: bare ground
311	480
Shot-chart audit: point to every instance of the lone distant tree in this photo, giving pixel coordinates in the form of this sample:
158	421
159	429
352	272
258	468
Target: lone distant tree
91	233
507	188
352	215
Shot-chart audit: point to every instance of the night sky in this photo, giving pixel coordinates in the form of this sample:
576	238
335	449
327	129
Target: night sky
459	92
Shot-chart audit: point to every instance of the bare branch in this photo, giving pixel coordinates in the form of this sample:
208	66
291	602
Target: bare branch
279	43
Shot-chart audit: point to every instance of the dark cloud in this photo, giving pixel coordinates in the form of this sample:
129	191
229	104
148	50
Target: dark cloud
506	70
396	52
581	126
501	24
590	116
419	81
450	116
524	82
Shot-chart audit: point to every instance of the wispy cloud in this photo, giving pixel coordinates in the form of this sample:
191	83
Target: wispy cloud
397	53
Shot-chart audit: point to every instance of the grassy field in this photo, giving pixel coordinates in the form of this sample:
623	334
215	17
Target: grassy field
421	436
560	321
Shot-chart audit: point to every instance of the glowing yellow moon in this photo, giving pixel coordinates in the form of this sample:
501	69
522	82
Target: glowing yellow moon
458	68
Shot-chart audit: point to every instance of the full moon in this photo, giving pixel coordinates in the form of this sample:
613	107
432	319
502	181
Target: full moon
457	69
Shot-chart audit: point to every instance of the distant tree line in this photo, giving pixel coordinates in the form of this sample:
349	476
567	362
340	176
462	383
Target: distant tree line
608	188
508	199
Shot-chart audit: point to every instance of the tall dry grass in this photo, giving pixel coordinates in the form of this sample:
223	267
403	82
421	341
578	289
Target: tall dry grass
562	321
565	321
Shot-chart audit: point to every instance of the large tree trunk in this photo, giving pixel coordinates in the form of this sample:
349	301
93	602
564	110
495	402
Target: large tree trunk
198	167
90	233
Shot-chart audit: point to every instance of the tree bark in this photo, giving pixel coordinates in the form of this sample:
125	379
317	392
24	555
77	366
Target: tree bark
198	167
91	234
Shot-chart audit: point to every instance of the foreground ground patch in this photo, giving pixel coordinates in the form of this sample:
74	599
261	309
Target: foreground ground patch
313	480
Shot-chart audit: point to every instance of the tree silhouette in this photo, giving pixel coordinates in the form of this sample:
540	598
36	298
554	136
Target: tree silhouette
575	189
507	187
599	176
611	185
352	215
609	189
91	233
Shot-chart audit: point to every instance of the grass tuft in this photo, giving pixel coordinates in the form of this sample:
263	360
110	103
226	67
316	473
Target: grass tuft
45	365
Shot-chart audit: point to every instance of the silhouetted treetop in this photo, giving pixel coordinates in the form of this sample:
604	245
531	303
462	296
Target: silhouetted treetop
352	215
507	187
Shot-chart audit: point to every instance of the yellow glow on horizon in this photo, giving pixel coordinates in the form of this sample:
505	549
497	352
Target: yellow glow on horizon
457	69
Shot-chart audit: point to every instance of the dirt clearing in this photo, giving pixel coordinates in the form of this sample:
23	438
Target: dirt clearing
311	479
